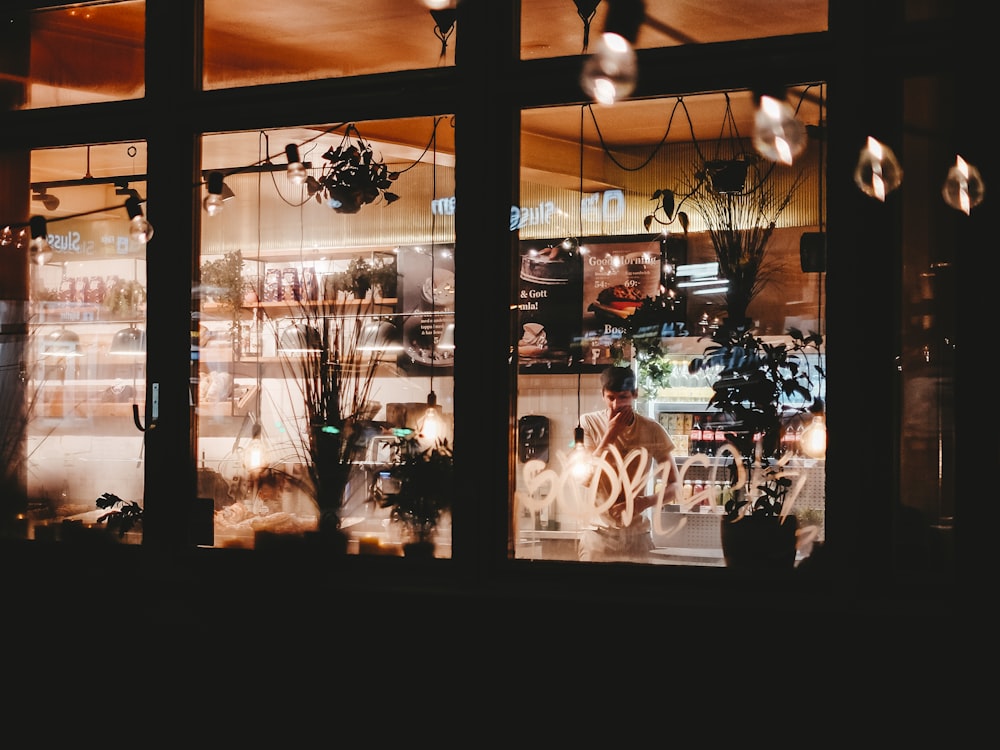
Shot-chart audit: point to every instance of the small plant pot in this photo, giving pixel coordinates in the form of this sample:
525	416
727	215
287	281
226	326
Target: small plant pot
759	542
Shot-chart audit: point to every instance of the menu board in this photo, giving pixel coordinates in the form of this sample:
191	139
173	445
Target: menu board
572	302
427	300
617	278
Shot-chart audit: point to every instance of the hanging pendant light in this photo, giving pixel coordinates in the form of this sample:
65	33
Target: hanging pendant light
778	135
963	189
61	343
39	248
878	172
128	341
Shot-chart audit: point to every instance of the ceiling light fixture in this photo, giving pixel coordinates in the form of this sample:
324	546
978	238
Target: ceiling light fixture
51	202
39	248
296	171
128	341
218	194
610	73
140	229
444	26
878	172
778	135
62	343
963	188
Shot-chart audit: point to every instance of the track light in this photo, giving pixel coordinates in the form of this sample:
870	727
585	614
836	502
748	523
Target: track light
296	171
39	248
140	230
218	194
51	202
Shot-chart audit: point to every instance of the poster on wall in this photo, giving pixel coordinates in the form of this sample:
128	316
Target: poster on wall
617	278
549	299
426	293
573	303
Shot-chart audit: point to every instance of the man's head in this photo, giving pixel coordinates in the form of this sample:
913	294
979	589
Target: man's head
618	388
618	379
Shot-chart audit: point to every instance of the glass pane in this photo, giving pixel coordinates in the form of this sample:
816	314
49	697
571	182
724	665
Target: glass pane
87	354
925	517
555	28
302	279
251	42
79	54
630	237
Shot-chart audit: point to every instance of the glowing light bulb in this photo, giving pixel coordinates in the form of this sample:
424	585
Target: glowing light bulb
878	172
296	171
812	442
610	73
963	188
431	425
255	455
213	204
140	230
579	458
777	135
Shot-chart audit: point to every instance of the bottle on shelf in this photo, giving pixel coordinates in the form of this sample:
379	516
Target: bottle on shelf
694	441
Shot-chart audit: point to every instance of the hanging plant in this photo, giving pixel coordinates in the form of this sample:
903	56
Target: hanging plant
353	176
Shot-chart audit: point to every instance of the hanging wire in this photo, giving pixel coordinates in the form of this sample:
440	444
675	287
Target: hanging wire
586	9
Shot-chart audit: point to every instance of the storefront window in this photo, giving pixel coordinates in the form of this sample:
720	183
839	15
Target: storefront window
77	54
86	356
252	42
326	327
634	248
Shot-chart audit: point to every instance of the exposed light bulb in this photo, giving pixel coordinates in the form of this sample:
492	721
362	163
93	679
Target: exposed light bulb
778	135
6	236
878	172
963	188
213	204
431	425
140	230
39	248
812	442
296	170
579	458
255	455
610	73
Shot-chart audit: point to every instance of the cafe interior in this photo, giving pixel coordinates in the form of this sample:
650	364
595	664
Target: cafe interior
184	332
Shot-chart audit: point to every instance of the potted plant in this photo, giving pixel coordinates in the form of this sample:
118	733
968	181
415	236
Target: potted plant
761	386
332	386
222	280
424	479
353	177
122	517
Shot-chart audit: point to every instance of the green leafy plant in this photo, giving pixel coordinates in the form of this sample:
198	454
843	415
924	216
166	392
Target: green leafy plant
761	385
353	177
122	515
425	477
124	296
222	280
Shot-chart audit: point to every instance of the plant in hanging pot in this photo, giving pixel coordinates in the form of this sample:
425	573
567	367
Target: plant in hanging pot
422	487
353	177
740	197
761	386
